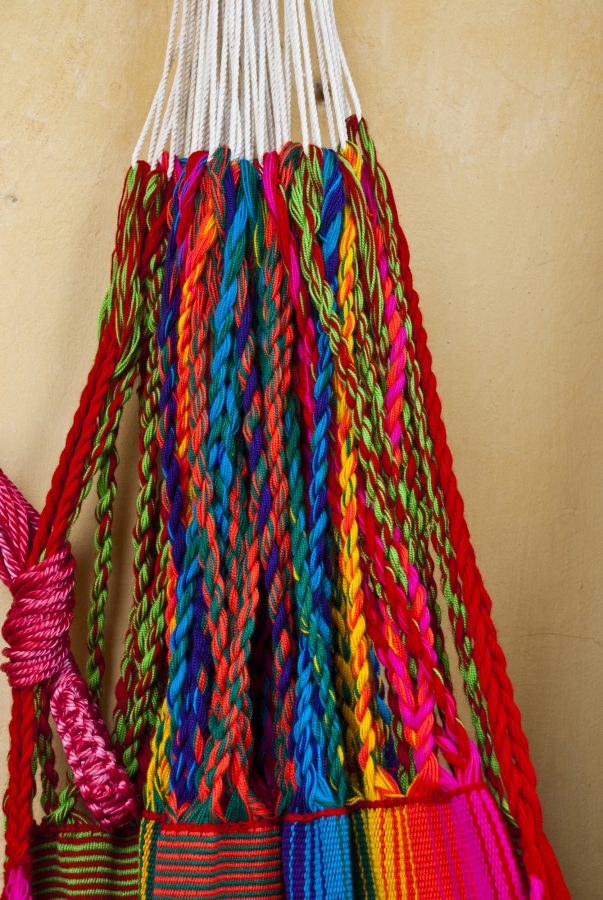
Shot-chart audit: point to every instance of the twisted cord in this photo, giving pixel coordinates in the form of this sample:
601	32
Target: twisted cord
210	509
204	268
399	420
119	311
444	552
103	538
313	791
402	423
257	467
194	236
128	307
396	467
331	228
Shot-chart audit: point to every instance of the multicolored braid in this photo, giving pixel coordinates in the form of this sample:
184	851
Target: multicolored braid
418	712
331	225
444	553
320	527
231	731
515	765
275	337
198	234
419	611
398	419
443	549
173	499
340	272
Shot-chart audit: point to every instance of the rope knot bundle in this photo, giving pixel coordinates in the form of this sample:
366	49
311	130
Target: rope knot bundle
37	634
36	629
37	625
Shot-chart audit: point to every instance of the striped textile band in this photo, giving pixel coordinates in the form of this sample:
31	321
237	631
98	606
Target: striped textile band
241	862
317	861
452	846
84	862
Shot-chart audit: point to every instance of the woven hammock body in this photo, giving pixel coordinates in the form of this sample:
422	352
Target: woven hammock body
284	721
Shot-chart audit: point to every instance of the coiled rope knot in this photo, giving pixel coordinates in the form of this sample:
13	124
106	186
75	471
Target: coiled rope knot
36	631
37	625
36	628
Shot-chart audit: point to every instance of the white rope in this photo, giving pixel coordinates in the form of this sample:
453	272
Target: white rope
278	78
194	63
354	99
154	113
213	42
271	109
309	75
292	23
326	89
250	82
232	69
324	36
201	101
262	136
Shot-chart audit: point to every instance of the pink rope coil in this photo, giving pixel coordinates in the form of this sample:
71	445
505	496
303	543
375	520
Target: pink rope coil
38	650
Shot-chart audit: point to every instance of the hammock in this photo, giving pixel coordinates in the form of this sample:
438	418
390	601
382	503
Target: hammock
284	721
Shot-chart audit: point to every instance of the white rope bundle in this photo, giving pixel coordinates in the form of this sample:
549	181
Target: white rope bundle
232	70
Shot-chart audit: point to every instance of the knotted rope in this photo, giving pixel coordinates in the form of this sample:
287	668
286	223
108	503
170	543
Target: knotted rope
36	631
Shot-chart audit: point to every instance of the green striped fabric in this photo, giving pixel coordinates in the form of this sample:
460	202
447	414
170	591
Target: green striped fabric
77	861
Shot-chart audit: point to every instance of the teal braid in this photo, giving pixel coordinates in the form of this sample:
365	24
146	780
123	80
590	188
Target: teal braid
226	728
231	732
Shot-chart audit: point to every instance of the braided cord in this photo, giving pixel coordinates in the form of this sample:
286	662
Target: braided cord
442	546
474	632
275	338
140	681
226	752
319	771
172	499
392	565
200	268
341	273
452	739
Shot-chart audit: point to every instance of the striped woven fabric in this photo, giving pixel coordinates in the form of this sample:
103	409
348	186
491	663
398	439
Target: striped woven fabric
78	862
203	861
454	846
316	857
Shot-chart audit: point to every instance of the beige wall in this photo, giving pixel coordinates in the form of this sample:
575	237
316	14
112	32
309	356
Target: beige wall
488	117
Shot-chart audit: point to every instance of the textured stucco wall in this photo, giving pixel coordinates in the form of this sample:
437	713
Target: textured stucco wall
488	117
